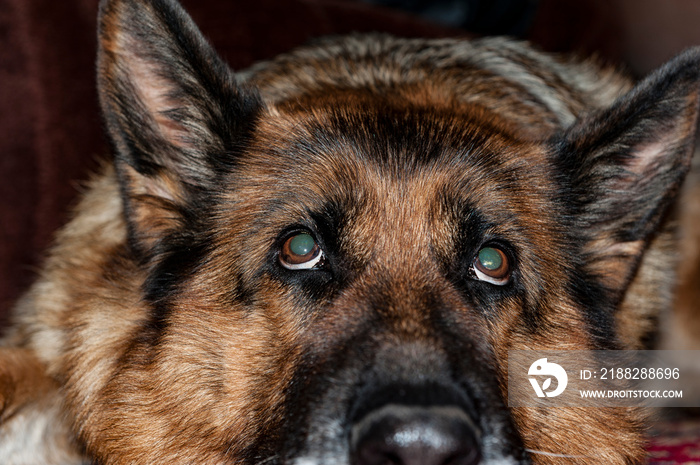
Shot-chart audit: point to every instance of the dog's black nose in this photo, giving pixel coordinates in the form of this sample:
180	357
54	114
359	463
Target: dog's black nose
415	435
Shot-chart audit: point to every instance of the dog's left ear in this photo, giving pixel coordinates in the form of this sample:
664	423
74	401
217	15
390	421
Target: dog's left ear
623	167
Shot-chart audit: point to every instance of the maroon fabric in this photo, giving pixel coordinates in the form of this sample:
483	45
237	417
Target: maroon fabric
50	129
675	443
584	26
48	125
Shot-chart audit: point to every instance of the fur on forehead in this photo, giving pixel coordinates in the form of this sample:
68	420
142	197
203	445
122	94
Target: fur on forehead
354	141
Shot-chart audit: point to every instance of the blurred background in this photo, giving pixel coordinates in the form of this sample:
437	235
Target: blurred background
640	33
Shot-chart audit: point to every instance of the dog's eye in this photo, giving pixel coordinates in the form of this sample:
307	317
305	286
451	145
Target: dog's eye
491	265
300	252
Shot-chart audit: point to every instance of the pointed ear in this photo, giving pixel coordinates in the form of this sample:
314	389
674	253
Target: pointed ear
624	166
173	110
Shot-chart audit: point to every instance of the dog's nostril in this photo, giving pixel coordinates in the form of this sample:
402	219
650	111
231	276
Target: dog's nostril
415	435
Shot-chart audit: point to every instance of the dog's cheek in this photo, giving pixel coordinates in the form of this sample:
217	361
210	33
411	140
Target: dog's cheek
256	350
207	391
563	435
191	379
566	436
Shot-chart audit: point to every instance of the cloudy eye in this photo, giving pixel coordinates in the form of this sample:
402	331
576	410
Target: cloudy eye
492	265
300	252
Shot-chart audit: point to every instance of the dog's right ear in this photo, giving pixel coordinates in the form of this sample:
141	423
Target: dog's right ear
175	114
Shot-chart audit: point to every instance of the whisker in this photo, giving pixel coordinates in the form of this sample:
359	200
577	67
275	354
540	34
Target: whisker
269	459
552	454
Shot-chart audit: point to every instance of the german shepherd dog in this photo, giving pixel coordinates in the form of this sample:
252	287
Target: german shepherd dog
326	258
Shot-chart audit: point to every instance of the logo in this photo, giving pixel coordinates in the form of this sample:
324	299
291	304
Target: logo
542	367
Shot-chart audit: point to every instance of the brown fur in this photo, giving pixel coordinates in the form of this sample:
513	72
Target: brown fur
163	330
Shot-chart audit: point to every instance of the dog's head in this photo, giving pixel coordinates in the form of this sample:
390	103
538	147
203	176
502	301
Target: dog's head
335	251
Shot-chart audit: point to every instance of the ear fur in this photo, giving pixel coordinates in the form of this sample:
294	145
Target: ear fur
624	165
173	109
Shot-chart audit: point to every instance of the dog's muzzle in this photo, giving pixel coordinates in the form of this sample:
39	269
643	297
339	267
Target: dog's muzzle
401	404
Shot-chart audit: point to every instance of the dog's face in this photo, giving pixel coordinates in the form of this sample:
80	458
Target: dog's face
328	260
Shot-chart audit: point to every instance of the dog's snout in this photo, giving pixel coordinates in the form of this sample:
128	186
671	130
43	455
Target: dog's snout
415	435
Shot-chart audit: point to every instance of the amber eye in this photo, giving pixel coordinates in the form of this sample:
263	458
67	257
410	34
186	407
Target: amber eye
491	265
300	252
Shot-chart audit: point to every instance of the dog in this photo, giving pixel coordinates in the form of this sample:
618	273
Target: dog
326	258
